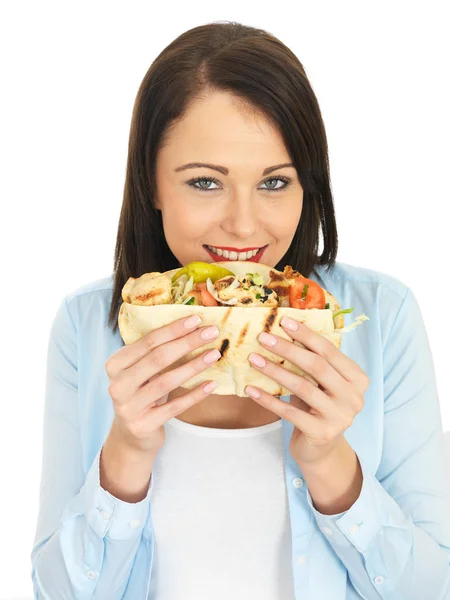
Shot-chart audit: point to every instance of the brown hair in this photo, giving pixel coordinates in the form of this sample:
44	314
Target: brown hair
263	75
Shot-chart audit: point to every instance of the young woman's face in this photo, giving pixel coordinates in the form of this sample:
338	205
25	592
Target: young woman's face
238	209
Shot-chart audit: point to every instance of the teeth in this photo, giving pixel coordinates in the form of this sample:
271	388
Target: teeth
232	255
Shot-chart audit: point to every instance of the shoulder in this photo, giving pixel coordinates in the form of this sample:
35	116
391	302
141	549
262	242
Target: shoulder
90	298
352	275
377	294
98	285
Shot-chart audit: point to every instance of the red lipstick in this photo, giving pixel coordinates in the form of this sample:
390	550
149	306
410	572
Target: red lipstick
218	258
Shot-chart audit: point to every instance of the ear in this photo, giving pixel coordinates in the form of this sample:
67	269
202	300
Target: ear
157	204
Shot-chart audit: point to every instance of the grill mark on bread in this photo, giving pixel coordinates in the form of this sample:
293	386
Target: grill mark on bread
224	346
270	319
225	316
242	334
148	295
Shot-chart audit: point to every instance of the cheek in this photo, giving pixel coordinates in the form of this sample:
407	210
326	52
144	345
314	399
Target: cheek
283	220
182	225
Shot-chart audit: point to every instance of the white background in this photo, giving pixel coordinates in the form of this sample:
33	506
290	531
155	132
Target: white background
70	73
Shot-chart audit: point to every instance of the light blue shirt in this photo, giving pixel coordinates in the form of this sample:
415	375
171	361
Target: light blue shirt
393	543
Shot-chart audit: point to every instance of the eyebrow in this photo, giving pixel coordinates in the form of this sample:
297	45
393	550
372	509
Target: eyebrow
225	171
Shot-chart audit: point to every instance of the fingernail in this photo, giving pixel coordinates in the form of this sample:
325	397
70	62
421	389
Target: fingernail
257	360
289	323
209	387
209	333
267	339
192	321
211	356
253	392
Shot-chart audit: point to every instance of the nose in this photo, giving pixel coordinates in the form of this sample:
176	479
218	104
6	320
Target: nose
241	216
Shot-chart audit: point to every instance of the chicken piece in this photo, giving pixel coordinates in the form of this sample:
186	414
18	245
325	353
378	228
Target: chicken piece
281	282
148	290
245	297
220	284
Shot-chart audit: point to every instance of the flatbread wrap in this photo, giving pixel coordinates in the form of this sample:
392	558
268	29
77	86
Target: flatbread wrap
242	298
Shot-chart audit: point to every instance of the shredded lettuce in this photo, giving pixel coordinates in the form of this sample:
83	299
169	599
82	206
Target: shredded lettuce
189	285
343	312
256	277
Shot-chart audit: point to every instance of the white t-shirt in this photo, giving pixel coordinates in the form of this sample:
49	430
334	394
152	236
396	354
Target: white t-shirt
212	487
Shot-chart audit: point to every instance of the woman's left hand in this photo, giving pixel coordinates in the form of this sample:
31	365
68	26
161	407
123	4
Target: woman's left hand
320	415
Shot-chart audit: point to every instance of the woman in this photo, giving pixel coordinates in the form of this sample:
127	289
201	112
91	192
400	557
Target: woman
149	491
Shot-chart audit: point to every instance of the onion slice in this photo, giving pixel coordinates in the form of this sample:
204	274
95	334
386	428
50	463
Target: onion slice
234	284
212	290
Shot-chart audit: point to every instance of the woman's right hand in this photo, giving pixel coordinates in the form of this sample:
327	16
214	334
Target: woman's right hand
141	407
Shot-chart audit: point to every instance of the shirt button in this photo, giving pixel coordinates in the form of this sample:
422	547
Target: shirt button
135	523
301	560
327	530
354	529
105	514
379	579
91	574
297	482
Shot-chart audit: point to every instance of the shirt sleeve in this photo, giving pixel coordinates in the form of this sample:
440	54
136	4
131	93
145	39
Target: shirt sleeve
395	539
88	544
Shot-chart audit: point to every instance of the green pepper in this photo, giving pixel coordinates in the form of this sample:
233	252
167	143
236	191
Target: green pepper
200	271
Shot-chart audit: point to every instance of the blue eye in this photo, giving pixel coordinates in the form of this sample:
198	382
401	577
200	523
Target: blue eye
192	183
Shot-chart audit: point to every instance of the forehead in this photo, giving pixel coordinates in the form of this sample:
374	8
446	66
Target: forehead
221	129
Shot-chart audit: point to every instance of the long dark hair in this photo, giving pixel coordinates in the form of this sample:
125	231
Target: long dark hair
264	74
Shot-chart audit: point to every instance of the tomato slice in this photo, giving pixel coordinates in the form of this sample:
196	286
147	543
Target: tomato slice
315	297
197	295
207	298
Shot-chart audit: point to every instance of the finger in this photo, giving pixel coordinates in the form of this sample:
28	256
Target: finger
165	355
130	354
296	384
161	414
310	362
298	417
322	346
166	382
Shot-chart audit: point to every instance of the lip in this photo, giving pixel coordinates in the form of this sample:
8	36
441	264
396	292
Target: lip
255	258
231	249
